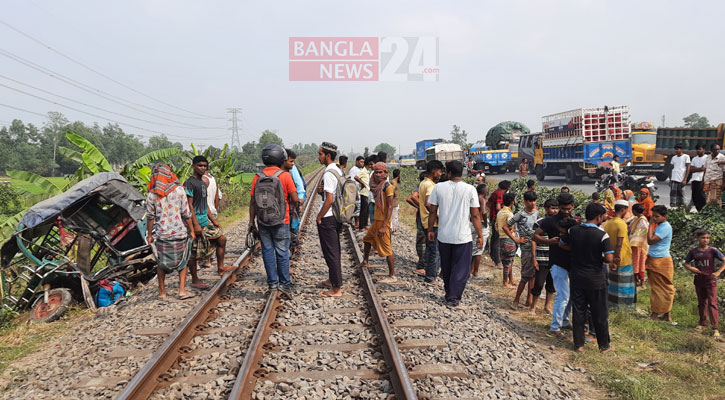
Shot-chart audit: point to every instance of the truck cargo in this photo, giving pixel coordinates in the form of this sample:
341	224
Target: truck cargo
505	136
444	152
420	148
689	138
407	160
579	142
486	159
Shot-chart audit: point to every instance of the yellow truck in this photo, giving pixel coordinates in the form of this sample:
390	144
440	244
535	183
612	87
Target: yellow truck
644	158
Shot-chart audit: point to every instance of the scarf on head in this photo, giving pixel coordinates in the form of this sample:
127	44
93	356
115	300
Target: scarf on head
609	199
163	180
647	203
378	183
628	195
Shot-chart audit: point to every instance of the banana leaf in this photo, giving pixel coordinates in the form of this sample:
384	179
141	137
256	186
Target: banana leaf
74	155
92	157
43	184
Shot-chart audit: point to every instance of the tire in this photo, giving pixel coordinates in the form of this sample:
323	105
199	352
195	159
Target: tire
539	171
58	301
512	168
494	170
569	174
661	176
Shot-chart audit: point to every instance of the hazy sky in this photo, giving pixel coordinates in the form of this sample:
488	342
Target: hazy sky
513	60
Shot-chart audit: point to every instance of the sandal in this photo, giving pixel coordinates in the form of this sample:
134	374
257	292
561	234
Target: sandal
200	285
186	296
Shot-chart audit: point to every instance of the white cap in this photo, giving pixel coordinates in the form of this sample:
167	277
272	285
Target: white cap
621	203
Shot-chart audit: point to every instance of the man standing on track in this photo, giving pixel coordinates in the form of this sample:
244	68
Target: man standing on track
295	213
432	258
458	204
379	233
359	163
327	226
209	235
678	177
363	180
265	207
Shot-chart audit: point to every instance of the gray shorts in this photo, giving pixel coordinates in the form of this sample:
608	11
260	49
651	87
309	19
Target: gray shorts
477	251
527	264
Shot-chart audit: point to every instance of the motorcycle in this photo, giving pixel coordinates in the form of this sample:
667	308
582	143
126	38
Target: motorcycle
625	181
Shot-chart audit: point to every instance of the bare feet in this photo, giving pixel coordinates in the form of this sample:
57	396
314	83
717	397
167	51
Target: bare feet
420	272
580	349
162	296
334	292
224	269
653	316
607	350
514	305
325	284
532	311
364	264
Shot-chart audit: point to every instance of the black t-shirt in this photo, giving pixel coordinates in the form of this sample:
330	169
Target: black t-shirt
197	187
557	255
589	243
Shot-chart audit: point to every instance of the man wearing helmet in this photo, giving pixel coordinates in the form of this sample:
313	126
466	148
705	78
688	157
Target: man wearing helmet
275	239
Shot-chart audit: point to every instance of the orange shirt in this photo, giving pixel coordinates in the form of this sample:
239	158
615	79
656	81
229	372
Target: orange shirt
288	185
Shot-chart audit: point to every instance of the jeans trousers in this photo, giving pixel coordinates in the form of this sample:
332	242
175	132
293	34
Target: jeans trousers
432	258
562	305
275	241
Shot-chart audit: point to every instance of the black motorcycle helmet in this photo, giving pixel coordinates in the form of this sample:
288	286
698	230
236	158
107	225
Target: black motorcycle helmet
273	154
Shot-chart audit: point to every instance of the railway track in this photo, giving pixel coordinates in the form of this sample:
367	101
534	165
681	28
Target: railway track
242	343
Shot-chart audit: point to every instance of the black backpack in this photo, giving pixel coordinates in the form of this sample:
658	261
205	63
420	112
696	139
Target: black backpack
269	200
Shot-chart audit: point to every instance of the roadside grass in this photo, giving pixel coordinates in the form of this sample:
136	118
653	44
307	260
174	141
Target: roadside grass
651	359
22	337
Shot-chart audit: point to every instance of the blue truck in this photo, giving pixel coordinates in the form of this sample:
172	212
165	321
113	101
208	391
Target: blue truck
485	159
420	154
579	143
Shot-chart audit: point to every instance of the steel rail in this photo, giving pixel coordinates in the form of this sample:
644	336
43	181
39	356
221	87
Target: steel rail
402	385
147	379
247	375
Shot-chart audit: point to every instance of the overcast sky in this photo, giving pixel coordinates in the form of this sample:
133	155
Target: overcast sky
513	60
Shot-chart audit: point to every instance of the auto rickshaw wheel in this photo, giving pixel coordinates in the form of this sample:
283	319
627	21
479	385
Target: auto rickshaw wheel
58	301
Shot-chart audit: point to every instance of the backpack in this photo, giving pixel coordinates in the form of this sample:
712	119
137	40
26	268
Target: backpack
269	201
346	195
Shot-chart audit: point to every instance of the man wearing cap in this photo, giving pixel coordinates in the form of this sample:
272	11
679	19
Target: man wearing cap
678	177
327	226
621	285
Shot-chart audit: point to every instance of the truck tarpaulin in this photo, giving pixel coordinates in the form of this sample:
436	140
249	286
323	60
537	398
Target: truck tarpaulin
505	132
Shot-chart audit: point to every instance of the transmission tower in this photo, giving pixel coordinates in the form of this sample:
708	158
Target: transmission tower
236	141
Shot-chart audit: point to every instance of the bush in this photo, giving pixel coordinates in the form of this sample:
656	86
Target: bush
684	225
236	197
544	193
10	200
6	317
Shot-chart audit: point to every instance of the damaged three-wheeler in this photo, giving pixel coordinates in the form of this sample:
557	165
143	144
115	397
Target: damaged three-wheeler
65	246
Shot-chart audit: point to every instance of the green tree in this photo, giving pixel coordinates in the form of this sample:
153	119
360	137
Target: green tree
390	150
459	136
269	137
696	121
162	142
366	153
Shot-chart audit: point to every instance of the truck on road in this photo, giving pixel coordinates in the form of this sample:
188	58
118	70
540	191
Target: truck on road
444	152
579	142
407	160
420	154
486	159
689	138
644	159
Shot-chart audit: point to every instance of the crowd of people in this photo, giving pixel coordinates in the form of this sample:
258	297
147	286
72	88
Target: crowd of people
587	265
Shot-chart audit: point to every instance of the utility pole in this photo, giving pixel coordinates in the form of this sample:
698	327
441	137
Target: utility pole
236	141
663	121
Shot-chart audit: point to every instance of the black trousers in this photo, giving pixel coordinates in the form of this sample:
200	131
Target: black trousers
329	230
543	279
455	268
364	212
698	194
495	251
595	300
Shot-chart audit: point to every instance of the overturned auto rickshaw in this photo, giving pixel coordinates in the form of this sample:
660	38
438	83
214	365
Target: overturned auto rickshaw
65	246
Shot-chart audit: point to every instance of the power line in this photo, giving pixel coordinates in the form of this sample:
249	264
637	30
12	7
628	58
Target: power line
94	115
90	89
23	110
97	108
71	59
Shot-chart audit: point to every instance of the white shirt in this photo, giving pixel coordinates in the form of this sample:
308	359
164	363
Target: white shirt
679	167
698	161
454	201
329	185
353	173
713	171
212	190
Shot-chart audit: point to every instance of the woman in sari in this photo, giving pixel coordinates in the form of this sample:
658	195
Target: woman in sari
646	201
638	229
629	196
609	200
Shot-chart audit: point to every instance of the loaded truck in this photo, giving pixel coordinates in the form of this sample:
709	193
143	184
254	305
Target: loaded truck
485	159
689	138
444	152
420	148
503	144
579	142
407	160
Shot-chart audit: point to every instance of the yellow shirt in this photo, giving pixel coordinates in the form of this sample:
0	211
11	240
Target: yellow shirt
364	176
617	228
424	190
379	211
502	218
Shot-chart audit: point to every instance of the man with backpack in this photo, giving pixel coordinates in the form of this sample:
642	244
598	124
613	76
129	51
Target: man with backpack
379	233
328	227
273	194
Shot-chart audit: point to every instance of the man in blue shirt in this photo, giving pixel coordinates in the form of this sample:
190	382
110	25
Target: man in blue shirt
295	213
